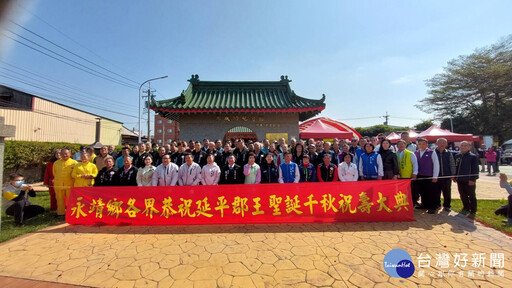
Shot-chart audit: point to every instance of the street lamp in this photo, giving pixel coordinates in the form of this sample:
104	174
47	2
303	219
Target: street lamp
140	123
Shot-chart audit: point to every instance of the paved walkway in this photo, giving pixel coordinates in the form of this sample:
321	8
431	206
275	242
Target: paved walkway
298	255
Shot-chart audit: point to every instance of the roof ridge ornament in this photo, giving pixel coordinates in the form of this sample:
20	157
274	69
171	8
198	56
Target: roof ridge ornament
284	78
194	79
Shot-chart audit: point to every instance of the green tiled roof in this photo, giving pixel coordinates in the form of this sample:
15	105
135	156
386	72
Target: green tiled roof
239	129
241	97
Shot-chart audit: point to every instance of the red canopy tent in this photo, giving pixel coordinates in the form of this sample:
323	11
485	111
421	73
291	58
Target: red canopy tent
412	135
434	132
393	137
340	126
319	130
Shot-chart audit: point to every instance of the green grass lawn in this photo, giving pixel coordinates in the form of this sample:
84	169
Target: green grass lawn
44	220
485	213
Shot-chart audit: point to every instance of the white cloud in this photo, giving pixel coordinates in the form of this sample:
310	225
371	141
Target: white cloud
402	80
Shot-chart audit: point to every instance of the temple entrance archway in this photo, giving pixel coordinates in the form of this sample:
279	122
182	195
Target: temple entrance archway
240	132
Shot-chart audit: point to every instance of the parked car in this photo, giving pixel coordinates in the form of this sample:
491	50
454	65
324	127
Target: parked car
506	157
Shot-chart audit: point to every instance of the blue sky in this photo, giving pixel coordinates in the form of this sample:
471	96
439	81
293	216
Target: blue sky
368	57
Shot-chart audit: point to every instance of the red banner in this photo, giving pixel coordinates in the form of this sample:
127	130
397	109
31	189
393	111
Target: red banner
366	201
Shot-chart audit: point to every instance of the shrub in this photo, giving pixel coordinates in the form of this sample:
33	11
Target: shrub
27	154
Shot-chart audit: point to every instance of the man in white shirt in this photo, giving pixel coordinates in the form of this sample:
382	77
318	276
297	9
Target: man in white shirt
190	172
166	174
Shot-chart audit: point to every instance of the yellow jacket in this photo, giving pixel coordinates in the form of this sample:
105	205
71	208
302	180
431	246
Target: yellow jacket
62	171
82	169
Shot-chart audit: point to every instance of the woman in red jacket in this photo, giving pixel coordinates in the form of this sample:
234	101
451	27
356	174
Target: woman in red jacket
48	180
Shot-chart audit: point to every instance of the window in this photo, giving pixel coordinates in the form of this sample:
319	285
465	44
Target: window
159	141
159	122
169	130
13	99
169	140
169	121
159	131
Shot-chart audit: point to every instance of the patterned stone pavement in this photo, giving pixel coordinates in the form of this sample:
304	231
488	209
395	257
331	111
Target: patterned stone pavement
298	255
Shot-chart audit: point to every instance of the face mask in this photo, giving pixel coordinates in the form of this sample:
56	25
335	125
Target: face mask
19	183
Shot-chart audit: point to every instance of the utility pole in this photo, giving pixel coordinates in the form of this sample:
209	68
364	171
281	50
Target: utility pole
386	117
140	115
149	111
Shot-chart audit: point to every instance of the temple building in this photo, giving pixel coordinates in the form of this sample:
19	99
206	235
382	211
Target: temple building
251	110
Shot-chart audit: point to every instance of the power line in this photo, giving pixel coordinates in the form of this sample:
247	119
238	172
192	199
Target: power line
61	88
66	36
72	53
94	73
62	99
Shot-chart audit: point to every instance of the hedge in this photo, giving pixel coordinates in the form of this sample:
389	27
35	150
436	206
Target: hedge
28	154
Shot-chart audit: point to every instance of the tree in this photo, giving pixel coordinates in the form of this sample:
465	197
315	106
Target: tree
424	125
376	129
475	88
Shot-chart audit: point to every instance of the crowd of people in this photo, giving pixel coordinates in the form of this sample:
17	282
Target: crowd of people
237	162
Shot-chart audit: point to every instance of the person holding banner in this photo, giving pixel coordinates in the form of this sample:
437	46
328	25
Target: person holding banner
190	172
84	172
252	170
327	171
347	171
269	170
145	174
210	174
63	181
166	174
370	164
389	161
288	171
106	176
127	175
307	170
231	173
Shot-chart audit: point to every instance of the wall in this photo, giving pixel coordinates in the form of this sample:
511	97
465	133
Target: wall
215	126
164	136
51	122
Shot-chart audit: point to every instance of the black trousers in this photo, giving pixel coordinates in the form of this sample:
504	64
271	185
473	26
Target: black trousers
425	189
467	196
21	212
444	186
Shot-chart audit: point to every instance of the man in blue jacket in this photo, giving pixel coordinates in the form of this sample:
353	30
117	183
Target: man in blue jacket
466	164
